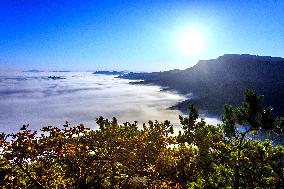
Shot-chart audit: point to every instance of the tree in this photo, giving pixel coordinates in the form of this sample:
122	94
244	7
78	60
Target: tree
249	117
150	156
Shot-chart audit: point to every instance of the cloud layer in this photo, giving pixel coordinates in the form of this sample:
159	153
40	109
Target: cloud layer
80	98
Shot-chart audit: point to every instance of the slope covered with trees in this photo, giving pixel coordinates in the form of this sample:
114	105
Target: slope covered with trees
214	83
126	156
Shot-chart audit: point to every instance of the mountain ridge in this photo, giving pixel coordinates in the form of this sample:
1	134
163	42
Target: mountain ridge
221	81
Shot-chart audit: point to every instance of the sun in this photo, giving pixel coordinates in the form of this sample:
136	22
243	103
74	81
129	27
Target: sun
191	42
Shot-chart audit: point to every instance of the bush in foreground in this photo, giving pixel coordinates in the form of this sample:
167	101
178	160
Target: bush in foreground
126	156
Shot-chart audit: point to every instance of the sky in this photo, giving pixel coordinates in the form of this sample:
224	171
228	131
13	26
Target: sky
134	35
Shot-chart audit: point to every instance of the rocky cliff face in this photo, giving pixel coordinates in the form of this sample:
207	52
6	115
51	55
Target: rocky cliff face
223	80
243	67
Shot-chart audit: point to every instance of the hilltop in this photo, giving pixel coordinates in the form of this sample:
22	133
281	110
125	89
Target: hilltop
216	82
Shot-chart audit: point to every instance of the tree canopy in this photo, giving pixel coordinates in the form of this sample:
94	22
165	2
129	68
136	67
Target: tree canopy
151	156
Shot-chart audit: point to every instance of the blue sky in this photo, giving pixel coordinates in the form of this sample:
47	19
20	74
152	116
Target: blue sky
137	35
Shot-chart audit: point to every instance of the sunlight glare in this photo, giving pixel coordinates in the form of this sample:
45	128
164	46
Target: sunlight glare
191	42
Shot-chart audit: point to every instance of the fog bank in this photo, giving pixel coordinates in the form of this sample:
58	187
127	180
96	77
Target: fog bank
35	99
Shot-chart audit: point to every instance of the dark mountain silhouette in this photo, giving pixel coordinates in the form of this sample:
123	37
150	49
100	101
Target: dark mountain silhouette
216	82
110	72
33	70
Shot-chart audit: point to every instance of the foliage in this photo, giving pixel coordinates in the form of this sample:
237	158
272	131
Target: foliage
249	117
151	156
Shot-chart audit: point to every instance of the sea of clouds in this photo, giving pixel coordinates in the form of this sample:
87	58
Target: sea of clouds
33	98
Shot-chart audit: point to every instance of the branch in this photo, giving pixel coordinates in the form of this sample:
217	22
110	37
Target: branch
36	182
